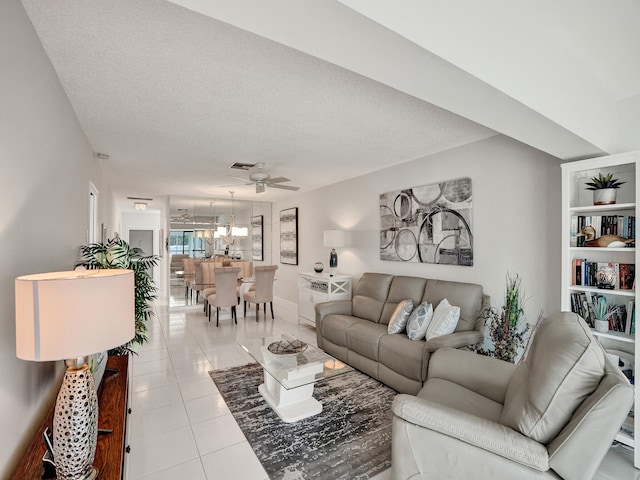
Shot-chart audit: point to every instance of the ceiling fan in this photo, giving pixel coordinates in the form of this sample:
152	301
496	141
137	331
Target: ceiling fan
261	179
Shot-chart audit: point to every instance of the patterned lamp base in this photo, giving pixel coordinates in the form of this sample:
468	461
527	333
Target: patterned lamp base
75	423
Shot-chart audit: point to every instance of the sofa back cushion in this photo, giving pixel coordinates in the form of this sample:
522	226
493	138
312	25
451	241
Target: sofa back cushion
370	294
467	296
563	366
402	288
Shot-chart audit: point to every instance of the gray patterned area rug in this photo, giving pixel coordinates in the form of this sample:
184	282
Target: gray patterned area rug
350	438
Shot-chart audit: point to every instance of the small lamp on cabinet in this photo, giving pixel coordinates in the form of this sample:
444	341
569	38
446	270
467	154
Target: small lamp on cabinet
69	316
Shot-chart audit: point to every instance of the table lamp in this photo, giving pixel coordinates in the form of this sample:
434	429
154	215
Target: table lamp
334	239
69	316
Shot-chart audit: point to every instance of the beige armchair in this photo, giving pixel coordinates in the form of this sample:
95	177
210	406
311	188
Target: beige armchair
264	290
553	416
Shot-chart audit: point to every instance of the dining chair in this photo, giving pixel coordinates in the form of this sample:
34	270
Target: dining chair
198	284
263	292
225	296
189	274
208	280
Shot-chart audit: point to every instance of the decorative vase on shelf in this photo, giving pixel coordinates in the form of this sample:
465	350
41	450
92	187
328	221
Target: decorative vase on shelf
604	196
318	267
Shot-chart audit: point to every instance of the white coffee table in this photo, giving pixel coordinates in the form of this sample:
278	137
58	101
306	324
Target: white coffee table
289	379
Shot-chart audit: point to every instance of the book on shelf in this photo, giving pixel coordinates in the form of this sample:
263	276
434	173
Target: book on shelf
621	225
631	311
609	275
592	305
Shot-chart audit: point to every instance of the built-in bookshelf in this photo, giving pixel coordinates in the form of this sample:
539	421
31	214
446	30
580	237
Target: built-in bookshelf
599	282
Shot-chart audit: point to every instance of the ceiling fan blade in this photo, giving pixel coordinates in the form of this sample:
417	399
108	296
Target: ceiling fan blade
278	180
241	179
283	187
236	184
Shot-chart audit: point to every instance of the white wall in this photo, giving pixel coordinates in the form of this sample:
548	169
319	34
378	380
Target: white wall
148	220
46	164
516	221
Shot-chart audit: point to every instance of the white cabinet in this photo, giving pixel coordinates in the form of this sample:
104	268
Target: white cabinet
583	267
317	288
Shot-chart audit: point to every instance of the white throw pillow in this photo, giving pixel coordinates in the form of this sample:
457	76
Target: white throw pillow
419	321
399	317
445	320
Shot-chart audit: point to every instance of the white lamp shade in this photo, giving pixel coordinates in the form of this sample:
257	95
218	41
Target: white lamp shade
239	231
335	238
63	315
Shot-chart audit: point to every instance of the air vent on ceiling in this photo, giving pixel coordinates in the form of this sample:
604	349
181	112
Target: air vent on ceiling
242	166
141	198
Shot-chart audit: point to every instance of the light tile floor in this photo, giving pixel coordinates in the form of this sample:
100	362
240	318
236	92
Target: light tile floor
181	428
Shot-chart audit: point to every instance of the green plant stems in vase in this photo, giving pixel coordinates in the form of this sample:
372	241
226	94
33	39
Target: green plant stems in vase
507	327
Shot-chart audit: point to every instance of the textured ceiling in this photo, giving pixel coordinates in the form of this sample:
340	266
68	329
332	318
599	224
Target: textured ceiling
174	97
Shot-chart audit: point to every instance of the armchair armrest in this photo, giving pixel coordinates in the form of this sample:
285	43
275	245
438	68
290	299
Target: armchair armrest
481	374
478	432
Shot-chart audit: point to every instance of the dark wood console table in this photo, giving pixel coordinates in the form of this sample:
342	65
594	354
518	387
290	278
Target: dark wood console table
112	414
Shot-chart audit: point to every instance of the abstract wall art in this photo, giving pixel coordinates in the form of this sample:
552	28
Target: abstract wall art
289	236
257	249
428	224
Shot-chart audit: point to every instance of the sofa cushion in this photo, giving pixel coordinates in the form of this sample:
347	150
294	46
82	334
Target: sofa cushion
370	294
334	328
467	296
364	337
402	355
564	366
444	321
398	321
419	321
402	288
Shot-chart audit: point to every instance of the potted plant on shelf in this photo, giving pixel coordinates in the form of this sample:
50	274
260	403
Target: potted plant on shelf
116	253
605	189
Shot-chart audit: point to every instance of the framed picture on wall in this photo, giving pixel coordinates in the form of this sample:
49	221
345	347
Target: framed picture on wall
257	248
428	224
289	236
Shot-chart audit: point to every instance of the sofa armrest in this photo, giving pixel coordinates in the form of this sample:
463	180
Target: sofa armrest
336	307
481	374
478	432
455	340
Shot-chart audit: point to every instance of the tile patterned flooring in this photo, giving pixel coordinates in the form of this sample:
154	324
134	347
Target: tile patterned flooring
181	428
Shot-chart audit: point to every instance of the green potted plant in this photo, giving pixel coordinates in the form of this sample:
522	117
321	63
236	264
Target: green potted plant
117	253
507	327
605	189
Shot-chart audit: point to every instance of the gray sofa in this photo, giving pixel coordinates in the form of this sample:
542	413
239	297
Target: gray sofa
355	331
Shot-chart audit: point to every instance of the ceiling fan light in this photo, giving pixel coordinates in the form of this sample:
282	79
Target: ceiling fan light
259	187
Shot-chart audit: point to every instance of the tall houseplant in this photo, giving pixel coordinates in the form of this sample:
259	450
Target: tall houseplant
507	327
117	253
